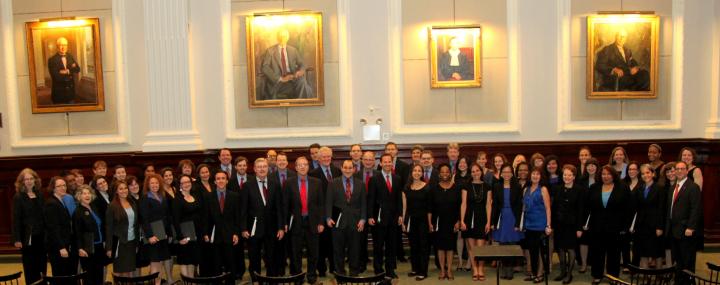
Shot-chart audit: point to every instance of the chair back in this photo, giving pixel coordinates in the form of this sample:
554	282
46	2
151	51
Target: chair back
77	279
699	280
615	281
11	279
714	272
279	280
644	276
360	280
140	280
224	278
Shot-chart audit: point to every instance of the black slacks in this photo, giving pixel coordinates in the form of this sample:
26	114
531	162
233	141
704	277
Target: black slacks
239	254
302	237
223	259
384	241
263	248
684	253
325	261
94	265
419	245
346	243
605	246
34	259
63	266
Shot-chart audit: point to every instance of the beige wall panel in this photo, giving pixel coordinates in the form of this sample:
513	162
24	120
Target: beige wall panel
652	109
258	117
239	12
422	104
579	10
75	5
584	109
94	123
489	103
21	59
662	8
35	6
492	16
417	16
329	19
37	125
317	116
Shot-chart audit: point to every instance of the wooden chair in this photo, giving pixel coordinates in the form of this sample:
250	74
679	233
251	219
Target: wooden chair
78	279
361	280
140	280
643	276
699	280
224	278
615	281
280	280
12	279
714	272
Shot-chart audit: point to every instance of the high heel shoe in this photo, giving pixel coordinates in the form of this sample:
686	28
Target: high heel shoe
450	276
568	279
442	275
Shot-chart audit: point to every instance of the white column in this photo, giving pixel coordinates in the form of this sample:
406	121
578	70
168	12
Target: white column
712	127
172	116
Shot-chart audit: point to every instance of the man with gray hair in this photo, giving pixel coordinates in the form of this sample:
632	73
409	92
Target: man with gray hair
62	67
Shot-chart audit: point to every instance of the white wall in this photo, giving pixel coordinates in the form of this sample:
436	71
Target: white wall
366	50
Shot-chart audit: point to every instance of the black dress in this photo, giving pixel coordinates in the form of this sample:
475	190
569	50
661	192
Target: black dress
650	206
417	203
445	205
151	211
567	213
476	212
184	211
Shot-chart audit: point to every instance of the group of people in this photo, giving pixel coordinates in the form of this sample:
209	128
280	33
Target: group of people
207	216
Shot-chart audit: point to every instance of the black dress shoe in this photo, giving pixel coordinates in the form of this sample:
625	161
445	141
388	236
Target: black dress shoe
412	274
559	277
392	275
420	278
568	279
322	274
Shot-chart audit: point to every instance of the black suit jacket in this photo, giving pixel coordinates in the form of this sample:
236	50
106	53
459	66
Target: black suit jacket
270	215
100	207
353	211
434	178
650	210
234	185
515	202
276	176
402	169
618	214
687	210
318	173
84	223
315	203
27	217
58	224
116	229
226	221
379	197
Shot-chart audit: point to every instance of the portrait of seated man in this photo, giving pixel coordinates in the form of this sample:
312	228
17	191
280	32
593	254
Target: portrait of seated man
454	64
284	71
618	70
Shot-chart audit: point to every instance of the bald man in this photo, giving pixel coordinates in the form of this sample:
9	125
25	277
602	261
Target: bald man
62	67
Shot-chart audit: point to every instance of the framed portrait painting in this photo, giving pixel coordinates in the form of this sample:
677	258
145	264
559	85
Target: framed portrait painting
455	56
65	65
285	59
622	56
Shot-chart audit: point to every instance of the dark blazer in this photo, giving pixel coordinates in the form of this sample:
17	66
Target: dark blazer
434	178
275	175
568	206
27	217
234	185
515	201
180	215
226	221
315	203
58	224
618	214
379	197
100	207
116	227
353	211
152	210
270	215
83	222
687	211
402	169
650	209
318	173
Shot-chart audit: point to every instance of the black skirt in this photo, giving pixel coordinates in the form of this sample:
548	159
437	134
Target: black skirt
126	259
188	254
159	251
565	237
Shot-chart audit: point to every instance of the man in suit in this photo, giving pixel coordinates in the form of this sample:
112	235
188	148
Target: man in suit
385	204
236	184
306	209
63	68
356	156
223	214
282	173
262	219
225	157
365	174
326	172
415	154
272	160
430	175
402	169
314	151
453	154
685	212
284	71
617	68
346	209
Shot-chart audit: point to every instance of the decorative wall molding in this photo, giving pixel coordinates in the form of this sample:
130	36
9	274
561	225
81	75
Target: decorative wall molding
344	130
712	127
564	80
396	92
7	27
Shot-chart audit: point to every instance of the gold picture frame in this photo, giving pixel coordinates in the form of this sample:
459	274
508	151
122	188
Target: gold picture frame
455	56
622	55
65	65
291	41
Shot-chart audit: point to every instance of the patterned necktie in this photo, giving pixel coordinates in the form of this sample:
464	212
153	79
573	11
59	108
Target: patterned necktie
388	183
348	190
426	176
242	182
328	175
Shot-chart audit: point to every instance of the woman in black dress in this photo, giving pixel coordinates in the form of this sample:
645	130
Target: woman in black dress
462	176
591	178
650	220
28	233
154	208
633	183
583	156
60	243
187	219
475	214
655	160
445	206
121	231
552	172
169	186
416	222
142	259
567	209
89	235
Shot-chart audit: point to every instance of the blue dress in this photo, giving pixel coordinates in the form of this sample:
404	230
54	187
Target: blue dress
507	233
535	215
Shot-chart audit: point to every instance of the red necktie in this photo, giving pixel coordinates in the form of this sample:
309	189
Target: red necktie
348	190
388	184
242	182
328	175
266	193
303	197
368	175
282	179
426	176
222	202
675	194
283	61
